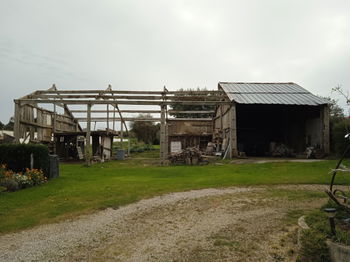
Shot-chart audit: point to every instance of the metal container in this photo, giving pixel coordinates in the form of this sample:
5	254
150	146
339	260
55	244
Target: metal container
120	154
54	168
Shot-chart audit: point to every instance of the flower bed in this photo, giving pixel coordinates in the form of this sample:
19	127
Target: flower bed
12	181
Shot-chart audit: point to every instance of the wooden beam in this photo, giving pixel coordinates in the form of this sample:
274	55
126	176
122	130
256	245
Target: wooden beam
121	111
325	120
16	129
233	132
163	149
29	123
88	136
106	97
120	114
218	92
121	135
149	111
54	127
129	102
39	108
103	119
191	112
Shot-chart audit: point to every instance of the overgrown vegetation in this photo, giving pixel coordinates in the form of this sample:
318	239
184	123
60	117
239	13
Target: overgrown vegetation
146	131
8	126
339	126
191	93
80	190
135	146
314	247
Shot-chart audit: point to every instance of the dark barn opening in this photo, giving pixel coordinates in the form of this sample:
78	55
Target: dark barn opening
263	126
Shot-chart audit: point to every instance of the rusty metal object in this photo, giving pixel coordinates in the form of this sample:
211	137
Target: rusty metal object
336	195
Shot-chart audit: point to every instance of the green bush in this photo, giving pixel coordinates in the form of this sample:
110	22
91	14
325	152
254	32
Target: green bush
17	156
338	131
314	247
313	241
10	184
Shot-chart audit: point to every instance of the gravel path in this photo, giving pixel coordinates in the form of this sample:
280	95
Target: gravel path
231	224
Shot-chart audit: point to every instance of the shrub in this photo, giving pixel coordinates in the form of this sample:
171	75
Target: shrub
17	156
10	185
313	241
338	131
314	247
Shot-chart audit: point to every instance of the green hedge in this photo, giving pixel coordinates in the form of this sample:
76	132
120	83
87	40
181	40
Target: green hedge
338	131
17	156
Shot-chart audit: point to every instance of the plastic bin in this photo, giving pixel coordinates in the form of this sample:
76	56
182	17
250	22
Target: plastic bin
54	168
120	154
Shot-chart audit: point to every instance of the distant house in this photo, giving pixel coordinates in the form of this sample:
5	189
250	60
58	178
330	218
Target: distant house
6	136
263	116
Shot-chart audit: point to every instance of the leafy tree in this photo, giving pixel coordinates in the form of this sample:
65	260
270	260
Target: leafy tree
191	94
338	126
10	125
335	111
146	131
1	125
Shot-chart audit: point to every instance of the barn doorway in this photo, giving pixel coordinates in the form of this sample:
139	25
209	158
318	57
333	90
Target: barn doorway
263	126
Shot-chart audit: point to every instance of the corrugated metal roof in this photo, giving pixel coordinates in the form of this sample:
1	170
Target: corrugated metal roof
270	93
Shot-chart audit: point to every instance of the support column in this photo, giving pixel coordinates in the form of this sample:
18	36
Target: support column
163	143
233	152
121	134
325	121
54	127
88	136
16	129
107	117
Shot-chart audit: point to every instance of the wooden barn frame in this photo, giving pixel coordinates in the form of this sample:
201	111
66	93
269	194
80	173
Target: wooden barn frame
31	118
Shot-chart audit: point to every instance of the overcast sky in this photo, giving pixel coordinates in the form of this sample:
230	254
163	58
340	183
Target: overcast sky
144	45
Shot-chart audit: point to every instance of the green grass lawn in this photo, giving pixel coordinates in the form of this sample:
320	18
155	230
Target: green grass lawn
81	190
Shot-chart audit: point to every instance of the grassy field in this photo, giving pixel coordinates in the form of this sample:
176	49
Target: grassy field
81	190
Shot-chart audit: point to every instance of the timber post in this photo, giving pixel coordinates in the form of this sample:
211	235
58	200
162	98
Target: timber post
163	144
54	127
16	128
233	132
121	135
88	136
325	121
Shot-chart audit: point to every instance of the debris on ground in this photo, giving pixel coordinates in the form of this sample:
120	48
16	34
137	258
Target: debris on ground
188	156
280	150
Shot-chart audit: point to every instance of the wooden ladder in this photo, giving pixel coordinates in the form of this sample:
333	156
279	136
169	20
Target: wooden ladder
80	153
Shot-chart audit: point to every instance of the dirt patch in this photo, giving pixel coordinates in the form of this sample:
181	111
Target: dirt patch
232	224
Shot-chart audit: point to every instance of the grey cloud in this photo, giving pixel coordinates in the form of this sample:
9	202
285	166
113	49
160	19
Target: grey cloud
182	44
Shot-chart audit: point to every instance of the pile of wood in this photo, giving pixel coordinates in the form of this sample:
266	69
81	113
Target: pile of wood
189	156
280	150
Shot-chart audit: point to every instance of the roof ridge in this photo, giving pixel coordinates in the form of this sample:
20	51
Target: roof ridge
258	83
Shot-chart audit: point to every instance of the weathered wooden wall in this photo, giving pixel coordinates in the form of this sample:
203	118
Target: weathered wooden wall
189	127
224	129
36	124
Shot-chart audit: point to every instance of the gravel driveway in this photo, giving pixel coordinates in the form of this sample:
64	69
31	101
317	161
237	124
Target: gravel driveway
231	224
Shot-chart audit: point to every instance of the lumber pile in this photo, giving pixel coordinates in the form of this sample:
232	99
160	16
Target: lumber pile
188	156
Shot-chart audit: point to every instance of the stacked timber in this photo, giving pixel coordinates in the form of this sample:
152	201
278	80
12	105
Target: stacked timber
189	156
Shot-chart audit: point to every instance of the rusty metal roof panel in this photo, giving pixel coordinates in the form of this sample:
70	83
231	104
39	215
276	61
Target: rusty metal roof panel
270	93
